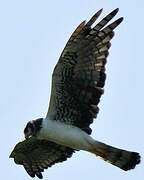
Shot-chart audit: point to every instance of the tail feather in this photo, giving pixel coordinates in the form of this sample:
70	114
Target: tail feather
123	159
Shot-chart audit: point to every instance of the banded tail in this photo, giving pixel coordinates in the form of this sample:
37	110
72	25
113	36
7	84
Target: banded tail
123	159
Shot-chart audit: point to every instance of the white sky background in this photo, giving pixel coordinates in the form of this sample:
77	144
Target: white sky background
32	35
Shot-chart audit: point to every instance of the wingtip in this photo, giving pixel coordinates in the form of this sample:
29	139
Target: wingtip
100	10
39	175
98	13
114	12
94	17
119	20
11	155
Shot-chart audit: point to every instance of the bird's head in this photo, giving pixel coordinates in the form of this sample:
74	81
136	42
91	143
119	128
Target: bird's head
32	128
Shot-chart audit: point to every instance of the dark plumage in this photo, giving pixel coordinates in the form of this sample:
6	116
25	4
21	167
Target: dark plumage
36	155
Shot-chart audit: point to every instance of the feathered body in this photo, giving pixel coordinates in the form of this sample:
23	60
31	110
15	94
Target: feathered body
65	134
77	85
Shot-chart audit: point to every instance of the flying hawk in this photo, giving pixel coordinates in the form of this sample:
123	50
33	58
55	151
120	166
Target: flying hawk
77	85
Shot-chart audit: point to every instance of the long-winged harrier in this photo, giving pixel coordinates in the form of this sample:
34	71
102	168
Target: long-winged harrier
77	85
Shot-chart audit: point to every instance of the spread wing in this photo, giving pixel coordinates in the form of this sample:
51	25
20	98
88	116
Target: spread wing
79	76
36	155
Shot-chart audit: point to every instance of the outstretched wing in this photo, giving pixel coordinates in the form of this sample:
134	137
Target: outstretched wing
79	76
36	155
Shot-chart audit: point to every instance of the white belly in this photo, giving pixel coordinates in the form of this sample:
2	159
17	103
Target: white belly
64	134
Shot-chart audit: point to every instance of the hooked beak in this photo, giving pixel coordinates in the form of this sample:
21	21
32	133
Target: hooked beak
26	137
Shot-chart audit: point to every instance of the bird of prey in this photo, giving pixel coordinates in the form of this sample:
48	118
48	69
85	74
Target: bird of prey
77	85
